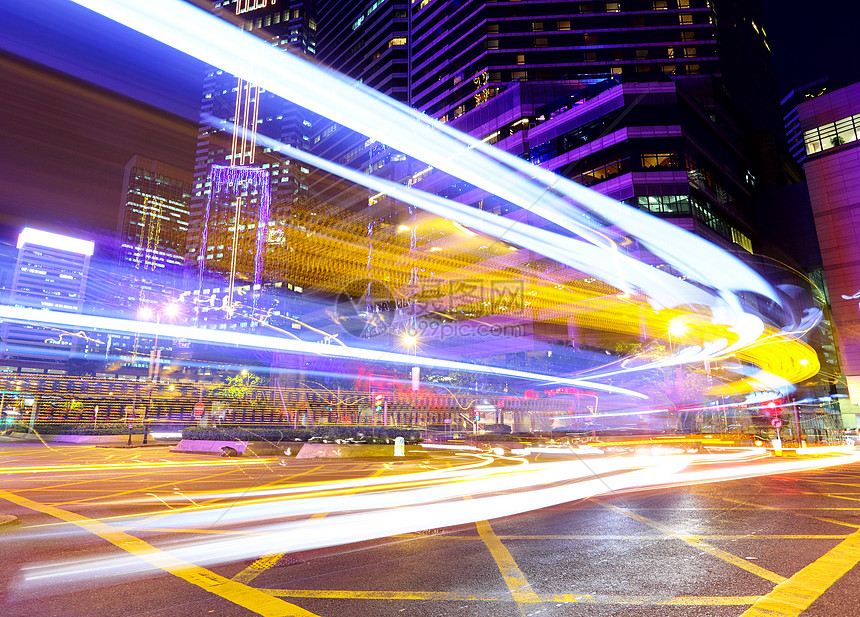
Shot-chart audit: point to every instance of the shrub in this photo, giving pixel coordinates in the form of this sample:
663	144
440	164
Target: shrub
325	433
240	433
107	428
502	429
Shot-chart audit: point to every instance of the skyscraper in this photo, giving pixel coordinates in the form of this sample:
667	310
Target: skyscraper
153	225
50	274
830	125
239	186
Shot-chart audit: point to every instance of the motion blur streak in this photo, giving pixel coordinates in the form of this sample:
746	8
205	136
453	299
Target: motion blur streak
127	466
257	341
405	504
714	277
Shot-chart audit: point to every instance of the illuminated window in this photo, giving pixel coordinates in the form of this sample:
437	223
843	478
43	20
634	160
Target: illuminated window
670	52
685	19
537	26
492	43
564	24
492	28
397	40
832	134
660	5
521	58
683	4
669	69
689	52
613	7
660	160
541	42
665	204
688	35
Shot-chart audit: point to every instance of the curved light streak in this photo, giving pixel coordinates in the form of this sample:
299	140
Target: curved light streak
404	504
256	341
593	217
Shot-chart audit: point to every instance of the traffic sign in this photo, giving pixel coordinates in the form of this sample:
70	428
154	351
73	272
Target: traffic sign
199	409
776	422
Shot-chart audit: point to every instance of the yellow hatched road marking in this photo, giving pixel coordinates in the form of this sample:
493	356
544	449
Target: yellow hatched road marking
521	591
664	537
252	599
740	562
794	512
566	598
266	561
792	597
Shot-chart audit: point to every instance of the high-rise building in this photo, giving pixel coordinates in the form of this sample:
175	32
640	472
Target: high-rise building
463	53
153	226
830	126
50	274
239	186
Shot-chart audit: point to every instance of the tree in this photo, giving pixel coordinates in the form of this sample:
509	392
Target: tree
237	386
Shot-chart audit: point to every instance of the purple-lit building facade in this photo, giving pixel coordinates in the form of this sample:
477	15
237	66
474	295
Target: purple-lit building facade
831	135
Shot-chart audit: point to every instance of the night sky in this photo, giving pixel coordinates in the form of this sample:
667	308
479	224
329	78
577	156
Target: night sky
81	96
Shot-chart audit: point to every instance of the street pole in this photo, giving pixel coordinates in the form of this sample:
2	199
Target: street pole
33	414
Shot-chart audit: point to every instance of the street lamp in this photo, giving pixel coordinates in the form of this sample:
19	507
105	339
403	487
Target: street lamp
146	313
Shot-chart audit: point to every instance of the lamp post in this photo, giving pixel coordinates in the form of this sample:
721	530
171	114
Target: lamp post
146	313
411	343
677	328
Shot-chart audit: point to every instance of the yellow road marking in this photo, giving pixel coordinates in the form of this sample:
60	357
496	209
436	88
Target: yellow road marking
52	487
148	488
663	537
773	577
258	567
521	591
795	595
224	532
566	598
252	599
793	511
266	561
149	466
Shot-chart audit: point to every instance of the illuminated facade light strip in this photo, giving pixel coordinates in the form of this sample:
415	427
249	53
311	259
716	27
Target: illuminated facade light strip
55	241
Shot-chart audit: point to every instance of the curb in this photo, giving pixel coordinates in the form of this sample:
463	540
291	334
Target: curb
7	519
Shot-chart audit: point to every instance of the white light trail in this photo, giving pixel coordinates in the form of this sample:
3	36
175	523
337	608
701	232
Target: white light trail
257	341
280	524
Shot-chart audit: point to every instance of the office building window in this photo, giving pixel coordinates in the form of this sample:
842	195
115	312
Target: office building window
665	204
832	134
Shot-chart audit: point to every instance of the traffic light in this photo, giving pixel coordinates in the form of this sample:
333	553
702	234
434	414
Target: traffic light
377	402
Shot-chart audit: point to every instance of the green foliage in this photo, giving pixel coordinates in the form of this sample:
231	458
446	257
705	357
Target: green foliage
502	429
237	387
240	433
107	428
320	434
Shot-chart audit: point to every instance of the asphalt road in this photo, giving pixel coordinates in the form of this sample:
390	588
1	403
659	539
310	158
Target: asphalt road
90	518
